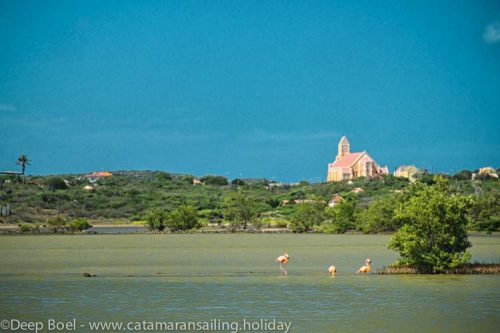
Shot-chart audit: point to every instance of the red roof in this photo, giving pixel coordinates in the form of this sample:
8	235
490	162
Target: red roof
347	160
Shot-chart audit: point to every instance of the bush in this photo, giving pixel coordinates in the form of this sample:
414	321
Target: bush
463	175
379	216
434	232
237	182
485	212
78	224
342	217
162	176
183	218
240	210
156	219
57	223
24	227
56	183
306	216
215	180
273	202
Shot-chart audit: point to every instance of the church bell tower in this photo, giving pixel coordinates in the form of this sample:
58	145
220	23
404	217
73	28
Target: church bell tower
344	148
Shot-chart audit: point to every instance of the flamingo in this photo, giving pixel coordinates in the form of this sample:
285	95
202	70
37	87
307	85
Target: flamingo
332	270
366	268
283	260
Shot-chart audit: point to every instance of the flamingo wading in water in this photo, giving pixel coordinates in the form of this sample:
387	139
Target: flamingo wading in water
366	268
332	270
283	260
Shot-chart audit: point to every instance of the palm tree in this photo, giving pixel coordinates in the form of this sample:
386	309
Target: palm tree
23	161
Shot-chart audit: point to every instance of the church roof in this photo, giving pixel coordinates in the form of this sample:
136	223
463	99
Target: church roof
348	160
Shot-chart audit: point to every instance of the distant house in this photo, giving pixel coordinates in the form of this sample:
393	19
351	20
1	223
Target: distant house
406	171
197	182
335	200
349	165
95	176
488	171
357	190
88	188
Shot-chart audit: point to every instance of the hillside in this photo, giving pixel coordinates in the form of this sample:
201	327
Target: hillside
127	196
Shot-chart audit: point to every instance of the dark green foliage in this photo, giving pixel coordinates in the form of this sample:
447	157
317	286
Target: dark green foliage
485	212
434	232
342	217
215	180
273	202
425	177
237	182
56	183
307	216
297	195
463	175
24	227
484	176
78	224
57	223
379	216
162	176
240	210
156	219
182	218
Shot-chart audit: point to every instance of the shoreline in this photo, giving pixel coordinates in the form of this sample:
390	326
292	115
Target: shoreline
475	268
123	228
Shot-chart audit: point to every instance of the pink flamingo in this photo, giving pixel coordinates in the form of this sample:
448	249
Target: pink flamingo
366	268
283	260
332	270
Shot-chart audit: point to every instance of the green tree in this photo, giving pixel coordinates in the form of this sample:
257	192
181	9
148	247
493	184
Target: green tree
434	232
56	183
156	219
341	217
240	210
379	216
215	180
307	216
297	195
485	212
162	176
463	175
182	218
238	182
273	202
57	223
23	161
78	224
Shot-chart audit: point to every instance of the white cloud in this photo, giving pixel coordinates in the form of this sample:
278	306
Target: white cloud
491	33
7	108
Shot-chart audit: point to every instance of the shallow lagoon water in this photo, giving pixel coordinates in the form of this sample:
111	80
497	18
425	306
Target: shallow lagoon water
232	276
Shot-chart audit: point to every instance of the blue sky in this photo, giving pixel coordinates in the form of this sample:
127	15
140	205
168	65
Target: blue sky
248	88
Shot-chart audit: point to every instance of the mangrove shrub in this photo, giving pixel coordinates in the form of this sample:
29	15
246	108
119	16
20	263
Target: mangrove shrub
434	232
